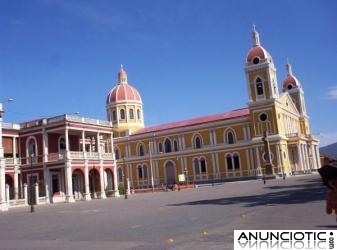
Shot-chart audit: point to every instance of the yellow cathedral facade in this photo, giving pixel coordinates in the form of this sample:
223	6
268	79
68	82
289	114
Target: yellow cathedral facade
268	138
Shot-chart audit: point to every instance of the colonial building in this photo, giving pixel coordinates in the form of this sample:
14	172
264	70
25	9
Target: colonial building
69	157
273	130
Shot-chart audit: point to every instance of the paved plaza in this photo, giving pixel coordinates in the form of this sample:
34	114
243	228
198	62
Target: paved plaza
200	218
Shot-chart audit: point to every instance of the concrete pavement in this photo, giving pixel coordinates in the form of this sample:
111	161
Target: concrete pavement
201	218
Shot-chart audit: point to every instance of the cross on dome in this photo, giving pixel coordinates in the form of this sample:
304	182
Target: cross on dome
256	38
122	76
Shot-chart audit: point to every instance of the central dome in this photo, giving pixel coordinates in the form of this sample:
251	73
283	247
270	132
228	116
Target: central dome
123	92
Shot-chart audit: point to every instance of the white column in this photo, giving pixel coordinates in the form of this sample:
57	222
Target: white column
278	158
101	180
7	194
36	186
87	196
16	182
46	177
214	166
318	160
3	203
258	157
300	161
248	162
69	182
116	192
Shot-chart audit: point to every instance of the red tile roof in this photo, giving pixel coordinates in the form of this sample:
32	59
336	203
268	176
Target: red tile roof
195	121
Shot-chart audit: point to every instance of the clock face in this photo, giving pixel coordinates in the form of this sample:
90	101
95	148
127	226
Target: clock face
256	60
263	117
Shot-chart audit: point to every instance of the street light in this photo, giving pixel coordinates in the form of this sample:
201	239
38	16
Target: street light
125	180
3	203
31	155
186	176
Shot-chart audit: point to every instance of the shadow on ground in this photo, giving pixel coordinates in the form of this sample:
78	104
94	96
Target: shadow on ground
311	191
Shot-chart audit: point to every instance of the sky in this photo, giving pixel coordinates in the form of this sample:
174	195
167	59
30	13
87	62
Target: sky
185	57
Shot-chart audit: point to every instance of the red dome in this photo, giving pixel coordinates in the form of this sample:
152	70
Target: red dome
290	82
257	52
123	92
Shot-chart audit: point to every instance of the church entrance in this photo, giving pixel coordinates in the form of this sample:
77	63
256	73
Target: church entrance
170	173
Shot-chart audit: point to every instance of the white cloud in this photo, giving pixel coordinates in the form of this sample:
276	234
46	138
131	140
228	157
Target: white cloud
332	93
327	138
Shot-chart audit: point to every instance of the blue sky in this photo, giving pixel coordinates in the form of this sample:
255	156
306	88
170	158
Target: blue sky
185	57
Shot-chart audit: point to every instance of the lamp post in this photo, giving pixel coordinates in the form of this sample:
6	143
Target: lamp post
186	176
31	155
3	203
268	168
125	180
151	166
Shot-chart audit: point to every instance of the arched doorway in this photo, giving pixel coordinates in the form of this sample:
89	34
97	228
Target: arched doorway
108	182
78	187
94	182
170	173
10	182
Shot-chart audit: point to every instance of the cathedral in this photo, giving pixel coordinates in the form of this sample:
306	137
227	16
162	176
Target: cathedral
69	157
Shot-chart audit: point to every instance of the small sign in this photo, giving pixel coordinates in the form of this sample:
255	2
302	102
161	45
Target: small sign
181	178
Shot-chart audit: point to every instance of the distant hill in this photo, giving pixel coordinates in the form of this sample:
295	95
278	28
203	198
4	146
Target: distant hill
329	150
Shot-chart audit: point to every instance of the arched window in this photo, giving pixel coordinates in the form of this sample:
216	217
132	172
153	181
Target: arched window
233	161
230	137
259	86
62	144
114	115
120	174
236	161
122	114
202	165
116	153
175	145
138	114
160	147
131	114
31	147
229	162
196	166
199	165
141	150
142	172
168	147
197	142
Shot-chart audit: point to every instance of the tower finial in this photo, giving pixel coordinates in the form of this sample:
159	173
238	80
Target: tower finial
256	38
122	76
288	67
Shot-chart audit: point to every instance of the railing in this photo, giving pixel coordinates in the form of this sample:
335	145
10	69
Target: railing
10	126
292	135
108	156
55	157
60	118
77	155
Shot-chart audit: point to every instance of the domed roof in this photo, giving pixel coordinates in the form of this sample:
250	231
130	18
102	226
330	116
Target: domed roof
257	52
123	92
290	81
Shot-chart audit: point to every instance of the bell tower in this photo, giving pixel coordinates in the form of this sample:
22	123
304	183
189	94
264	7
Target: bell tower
262	88
293	87
260	72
